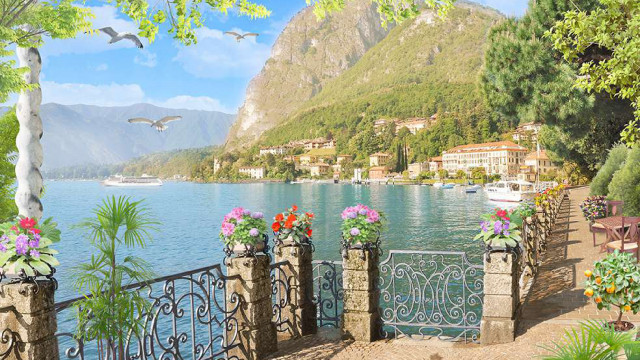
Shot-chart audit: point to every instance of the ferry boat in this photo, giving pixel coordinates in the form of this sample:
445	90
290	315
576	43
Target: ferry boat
511	191
127	181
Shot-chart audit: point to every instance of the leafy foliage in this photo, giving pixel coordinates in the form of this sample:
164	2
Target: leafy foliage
109	311
25	246
594	340
361	224
501	228
604	42
390	11
615	281
615	160
290	225
8	132
241	226
526	80
625	184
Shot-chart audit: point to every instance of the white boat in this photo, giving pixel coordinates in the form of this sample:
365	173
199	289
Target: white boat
472	189
511	191
131	181
437	185
447	186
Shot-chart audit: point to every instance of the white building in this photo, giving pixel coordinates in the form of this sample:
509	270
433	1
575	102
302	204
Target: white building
254	172
416	168
216	165
527	131
498	158
275	150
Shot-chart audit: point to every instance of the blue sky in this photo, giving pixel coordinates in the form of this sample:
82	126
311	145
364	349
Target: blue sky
211	75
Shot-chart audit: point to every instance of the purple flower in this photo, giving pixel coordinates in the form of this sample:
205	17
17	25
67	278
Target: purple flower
22	244
3	243
506	233
257	215
352	215
34	253
34	243
506	225
228	229
354	232
484	225
363	212
254	232
497	227
246	212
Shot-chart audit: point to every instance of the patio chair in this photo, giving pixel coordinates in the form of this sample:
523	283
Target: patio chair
625	238
613	208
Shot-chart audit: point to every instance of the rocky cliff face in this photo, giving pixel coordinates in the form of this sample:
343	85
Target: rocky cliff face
306	55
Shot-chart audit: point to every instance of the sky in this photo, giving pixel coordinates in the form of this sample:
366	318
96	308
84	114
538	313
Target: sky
211	75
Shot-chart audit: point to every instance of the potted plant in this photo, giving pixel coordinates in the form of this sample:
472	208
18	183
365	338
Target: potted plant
244	232
25	248
615	281
291	228
500	230
361	227
594	207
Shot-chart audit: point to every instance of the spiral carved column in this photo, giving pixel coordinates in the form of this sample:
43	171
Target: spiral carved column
28	141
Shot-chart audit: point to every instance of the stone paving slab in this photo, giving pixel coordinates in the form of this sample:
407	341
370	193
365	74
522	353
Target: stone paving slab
555	303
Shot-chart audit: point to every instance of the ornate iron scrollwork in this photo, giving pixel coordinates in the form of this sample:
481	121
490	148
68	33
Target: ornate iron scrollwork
281	292
191	316
431	294
328	292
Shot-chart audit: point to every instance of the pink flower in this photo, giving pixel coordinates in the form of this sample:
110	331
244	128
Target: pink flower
228	229
237	213
373	216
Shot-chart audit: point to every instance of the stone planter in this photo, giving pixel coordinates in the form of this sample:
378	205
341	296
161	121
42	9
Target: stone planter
244	249
289	241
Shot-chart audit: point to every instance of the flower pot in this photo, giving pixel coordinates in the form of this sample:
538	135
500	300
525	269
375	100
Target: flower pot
622	326
241	249
289	241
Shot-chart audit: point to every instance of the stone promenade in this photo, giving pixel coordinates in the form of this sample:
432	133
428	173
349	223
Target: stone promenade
555	303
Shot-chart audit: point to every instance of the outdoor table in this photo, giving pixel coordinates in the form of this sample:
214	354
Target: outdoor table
615	222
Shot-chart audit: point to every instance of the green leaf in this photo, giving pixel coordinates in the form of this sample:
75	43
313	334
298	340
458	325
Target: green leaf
40	267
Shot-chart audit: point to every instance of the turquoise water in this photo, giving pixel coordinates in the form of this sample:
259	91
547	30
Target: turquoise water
419	217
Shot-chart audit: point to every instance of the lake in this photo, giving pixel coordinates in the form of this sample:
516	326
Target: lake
419	218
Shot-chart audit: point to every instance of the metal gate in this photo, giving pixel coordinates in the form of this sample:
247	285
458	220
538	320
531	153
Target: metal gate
426	294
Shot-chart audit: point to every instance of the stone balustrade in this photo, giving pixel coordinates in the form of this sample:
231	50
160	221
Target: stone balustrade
28	321
361	317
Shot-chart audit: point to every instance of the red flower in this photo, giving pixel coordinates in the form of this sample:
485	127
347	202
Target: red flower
291	218
288	224
35	231
27	223
294	207
15	229
279	217
275	226
309	232
310	215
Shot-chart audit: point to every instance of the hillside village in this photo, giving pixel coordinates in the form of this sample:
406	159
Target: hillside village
319	159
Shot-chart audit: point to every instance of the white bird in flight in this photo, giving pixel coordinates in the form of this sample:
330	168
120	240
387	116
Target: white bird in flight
116	36
240	37
160	125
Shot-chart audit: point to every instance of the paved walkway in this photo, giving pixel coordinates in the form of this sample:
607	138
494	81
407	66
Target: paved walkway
556	302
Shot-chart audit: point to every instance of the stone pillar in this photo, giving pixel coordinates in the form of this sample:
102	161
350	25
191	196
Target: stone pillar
250	280
501	299
301	311
27	313
361	318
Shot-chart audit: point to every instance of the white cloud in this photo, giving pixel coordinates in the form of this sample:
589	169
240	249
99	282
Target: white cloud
220	56
94	43
102	67
146	58
122	95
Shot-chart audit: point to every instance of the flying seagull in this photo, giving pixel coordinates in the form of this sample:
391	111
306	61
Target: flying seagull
160	125
116	36
240	37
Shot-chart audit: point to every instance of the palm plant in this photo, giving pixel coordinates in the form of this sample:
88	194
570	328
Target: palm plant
109	313
594	340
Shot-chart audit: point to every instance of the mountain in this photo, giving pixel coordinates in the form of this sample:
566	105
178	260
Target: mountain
423	66
306	55
86	134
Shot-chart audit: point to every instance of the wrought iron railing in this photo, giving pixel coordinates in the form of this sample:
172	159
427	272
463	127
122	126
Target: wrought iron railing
328	292
431	294
191	317
281	293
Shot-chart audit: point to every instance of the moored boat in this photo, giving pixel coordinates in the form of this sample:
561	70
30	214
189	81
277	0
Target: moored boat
131	181
472	189
511	191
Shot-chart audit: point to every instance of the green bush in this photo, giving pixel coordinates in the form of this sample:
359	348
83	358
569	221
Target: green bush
615	160
625	184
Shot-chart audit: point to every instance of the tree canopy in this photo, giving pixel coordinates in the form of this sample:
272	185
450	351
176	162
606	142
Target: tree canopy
604	42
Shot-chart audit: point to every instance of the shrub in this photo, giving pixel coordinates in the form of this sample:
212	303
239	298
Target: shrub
615	281
615	160
625	184
594	207
361	224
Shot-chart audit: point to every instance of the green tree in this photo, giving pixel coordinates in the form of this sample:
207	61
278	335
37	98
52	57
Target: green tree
478	172
109	312
625	184
8	133
604	42
525	79
443	174
615	160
